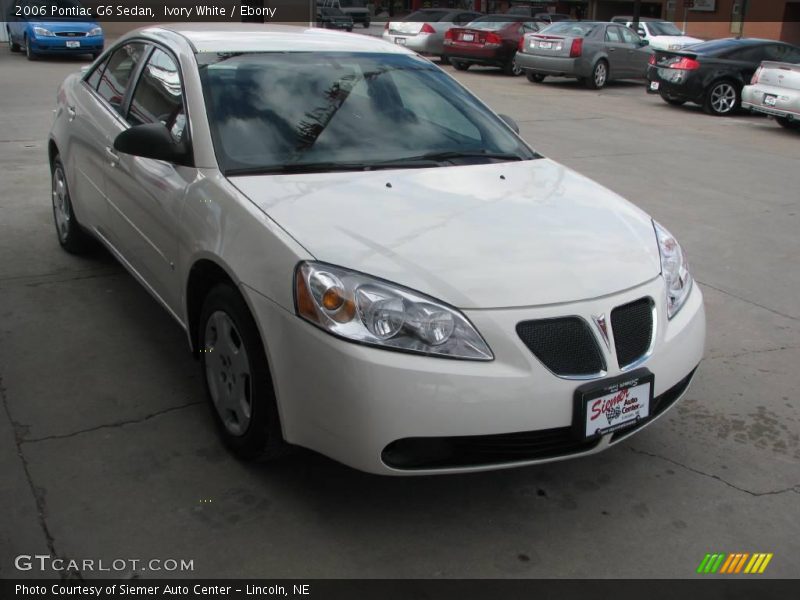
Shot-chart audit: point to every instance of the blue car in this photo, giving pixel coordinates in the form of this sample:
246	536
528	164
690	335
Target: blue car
57	27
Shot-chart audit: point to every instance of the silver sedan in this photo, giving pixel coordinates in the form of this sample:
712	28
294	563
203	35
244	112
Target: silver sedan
592	52
423	31
775	90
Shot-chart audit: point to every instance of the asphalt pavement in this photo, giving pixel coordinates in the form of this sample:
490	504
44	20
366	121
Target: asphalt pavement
107	448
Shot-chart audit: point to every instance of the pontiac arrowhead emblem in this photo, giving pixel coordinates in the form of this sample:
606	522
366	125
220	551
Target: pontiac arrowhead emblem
600	321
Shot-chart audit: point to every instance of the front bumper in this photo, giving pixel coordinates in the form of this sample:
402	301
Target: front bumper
352	402
787	102
58	45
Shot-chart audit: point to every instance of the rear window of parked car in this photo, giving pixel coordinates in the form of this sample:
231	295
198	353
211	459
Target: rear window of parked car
570	28
118	72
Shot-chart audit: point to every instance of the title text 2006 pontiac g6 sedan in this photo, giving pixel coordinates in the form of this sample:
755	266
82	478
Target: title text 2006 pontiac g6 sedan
367	260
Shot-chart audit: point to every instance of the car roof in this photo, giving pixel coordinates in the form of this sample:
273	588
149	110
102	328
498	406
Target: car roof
723	44
255	37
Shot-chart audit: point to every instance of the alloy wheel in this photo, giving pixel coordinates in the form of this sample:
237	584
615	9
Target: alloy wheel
723	98
61	207
228	373
600	74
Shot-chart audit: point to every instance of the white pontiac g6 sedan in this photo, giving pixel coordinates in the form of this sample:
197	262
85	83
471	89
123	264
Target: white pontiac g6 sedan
368	261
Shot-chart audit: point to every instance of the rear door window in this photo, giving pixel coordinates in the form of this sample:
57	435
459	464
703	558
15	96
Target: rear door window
613	34
119	71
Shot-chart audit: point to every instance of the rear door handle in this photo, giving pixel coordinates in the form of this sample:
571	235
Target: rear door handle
612	49
113	157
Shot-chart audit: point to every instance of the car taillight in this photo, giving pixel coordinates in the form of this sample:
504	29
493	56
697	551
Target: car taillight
686	64
577	48
521	46
493	38
386	27
450	35
652	59
426	28
754	80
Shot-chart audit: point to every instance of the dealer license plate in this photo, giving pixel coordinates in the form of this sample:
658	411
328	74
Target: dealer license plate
613	404
400	41
73	44
468	37
654	85
545	45
770	100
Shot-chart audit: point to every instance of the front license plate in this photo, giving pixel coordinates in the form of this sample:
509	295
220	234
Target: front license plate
770	100
654	85
73	44
613	404
468	37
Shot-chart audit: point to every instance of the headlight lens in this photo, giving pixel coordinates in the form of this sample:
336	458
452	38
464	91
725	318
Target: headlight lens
371	311
96	31
41	31
674	268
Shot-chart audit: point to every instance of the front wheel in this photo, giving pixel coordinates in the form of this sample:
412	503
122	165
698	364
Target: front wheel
237	378
366	24
70	234
535	77
29	54
599	77
722	99
459	65
787	123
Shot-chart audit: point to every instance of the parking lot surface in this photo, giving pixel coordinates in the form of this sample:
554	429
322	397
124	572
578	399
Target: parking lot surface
107	448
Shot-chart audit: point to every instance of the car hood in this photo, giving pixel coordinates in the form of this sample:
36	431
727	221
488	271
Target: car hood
65	25
487	236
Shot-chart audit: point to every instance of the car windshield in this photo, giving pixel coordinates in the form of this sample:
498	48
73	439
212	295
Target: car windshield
331	12
569	28
663	28
327	111
353	3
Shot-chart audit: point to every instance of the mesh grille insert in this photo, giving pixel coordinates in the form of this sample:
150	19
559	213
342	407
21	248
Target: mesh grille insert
566	345
633	329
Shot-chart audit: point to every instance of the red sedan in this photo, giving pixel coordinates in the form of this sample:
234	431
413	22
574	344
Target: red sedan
490	40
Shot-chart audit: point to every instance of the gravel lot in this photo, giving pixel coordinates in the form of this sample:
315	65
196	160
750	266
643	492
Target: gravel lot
107	449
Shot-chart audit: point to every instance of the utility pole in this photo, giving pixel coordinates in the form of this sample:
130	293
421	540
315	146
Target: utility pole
637	11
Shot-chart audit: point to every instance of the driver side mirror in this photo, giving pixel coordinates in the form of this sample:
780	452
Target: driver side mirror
644	43
510	122
153	140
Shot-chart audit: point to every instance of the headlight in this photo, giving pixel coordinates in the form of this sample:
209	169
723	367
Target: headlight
674	268
41	31
364	309
95	31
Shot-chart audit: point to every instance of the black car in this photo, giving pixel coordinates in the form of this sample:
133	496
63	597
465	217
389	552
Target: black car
333	18
711	74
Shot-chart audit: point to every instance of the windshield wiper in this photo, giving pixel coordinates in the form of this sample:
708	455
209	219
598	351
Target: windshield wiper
451	155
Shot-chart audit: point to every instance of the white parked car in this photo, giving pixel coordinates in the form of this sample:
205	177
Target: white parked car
367	261
661	35
775	90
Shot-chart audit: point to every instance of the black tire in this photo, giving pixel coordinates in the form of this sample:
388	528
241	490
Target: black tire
12	45
95	56
671	100
511	68
599	77
28	52
366	24
262	438
723	98
459	65
444	60
535	77
72	237
788	123
349	30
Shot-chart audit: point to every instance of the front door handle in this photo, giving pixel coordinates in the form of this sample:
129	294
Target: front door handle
72	113
113	157
612	49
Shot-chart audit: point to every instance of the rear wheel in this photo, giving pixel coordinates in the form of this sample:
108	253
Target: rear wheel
672	100
788	123
722	99
366	24
459	65
70	234
511	68
237	378
12	45
444	60
599	77
535	77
